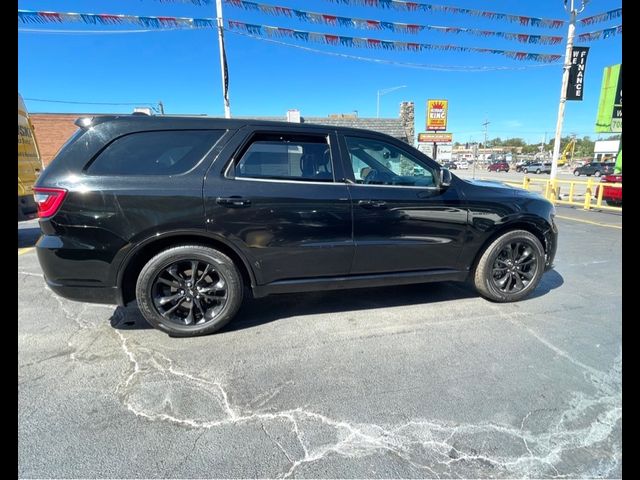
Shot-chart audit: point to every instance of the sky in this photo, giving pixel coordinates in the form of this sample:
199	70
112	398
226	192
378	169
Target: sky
89	63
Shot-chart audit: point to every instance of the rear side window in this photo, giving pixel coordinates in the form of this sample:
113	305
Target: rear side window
286	157
154	153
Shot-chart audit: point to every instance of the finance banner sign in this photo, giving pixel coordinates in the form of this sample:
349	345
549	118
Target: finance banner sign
576	73
609	119
437	114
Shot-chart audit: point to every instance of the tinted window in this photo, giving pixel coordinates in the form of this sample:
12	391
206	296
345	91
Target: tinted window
155	153
380	163
287	157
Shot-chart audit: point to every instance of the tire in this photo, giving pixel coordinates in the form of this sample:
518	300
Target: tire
484	277
526	172
223	287
614	203
538	171
597	173
576	173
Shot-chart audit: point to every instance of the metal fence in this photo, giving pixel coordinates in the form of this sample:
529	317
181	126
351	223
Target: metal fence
587	194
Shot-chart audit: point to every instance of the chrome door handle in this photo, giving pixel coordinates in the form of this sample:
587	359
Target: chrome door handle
233	202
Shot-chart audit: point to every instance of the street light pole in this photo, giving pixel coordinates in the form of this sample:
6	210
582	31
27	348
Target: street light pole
223	60
380	93
565	80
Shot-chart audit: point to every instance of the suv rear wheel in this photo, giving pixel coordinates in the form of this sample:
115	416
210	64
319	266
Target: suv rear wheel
510	268
189	290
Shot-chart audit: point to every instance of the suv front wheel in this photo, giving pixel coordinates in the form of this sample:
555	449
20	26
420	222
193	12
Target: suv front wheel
511	267
189	290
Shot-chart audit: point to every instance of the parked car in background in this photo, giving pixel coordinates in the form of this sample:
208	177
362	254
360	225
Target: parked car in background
537	167
183	214
595	168
499	166
521	164
610	194
463	165
450	165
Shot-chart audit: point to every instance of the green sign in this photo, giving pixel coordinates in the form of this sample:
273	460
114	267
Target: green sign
609	118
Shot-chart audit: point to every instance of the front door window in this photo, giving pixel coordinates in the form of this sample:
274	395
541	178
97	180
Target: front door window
377	162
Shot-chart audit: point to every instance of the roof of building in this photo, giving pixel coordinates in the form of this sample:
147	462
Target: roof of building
389	126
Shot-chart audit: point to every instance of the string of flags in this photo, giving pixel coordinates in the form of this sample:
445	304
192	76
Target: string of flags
427	7
602	17
329	39
29	16
605	33
334	20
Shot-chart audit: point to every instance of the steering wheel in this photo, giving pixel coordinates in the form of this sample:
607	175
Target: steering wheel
380	177
371	176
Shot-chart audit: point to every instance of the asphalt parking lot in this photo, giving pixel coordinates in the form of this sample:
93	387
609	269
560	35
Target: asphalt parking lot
421	381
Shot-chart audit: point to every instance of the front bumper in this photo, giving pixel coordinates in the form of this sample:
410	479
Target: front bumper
551	245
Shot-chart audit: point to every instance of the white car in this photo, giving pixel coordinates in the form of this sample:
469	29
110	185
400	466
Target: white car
463	165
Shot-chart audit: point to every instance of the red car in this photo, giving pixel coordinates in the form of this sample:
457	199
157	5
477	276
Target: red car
498	167
612	195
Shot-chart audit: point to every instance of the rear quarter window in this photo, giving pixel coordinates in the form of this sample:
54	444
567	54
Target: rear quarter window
154	153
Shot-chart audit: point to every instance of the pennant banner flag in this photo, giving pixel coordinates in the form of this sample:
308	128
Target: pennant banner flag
314	17
269	31
602	17
28	16
600	34
426	7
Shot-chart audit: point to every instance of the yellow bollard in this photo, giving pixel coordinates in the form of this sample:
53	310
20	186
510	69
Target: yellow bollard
599	199
587	195
571	186
525	182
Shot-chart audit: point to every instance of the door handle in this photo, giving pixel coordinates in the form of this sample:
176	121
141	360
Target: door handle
372	204
233	202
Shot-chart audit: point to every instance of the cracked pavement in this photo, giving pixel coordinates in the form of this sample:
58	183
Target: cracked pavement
422	381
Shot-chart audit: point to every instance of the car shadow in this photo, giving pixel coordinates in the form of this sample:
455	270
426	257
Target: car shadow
27	237
259	311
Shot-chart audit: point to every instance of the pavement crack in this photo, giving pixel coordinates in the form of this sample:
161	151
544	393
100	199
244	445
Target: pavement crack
440	450
276	443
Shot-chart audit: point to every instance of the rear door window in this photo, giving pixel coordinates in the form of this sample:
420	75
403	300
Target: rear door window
286	157
154	153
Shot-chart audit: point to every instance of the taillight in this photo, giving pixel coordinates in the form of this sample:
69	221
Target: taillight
48	200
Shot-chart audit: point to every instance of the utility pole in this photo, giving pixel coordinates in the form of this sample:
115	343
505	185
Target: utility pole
485	125
223	60
569	6
161	107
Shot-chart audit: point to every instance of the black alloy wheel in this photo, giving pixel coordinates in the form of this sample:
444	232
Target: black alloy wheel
511	267
514	267
189	292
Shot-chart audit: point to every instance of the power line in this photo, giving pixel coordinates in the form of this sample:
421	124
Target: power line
89	103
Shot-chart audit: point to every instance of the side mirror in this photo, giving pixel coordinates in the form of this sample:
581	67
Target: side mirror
445	178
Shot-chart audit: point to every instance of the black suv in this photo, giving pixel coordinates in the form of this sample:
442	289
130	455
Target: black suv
595	168
184	213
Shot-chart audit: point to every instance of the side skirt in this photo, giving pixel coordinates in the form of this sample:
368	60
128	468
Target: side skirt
359	281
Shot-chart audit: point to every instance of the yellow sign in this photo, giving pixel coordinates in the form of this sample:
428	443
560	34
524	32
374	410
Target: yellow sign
435	137
437	114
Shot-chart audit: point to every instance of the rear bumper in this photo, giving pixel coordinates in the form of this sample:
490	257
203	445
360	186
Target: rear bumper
76	271
89	294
